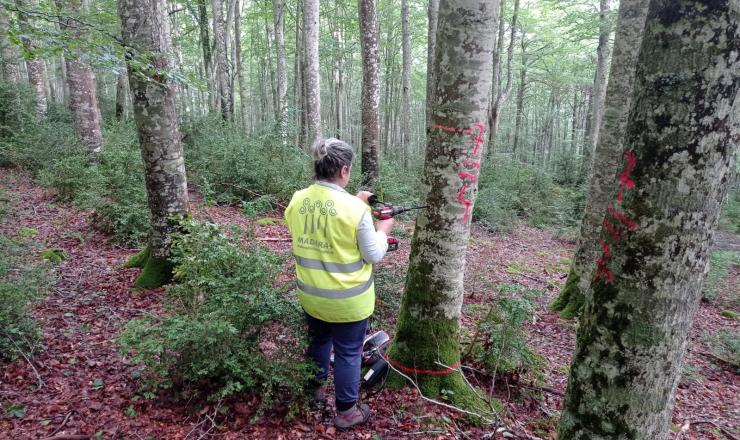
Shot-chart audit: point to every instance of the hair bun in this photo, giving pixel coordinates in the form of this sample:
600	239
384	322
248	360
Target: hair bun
319	150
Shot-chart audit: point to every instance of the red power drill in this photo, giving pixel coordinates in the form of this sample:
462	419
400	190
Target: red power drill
384	211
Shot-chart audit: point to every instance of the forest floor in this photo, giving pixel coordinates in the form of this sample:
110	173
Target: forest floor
79	385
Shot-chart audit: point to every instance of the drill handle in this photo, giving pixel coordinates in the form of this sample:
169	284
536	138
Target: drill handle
392	244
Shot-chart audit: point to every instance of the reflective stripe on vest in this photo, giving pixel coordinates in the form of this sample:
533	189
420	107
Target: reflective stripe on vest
335	294
311	263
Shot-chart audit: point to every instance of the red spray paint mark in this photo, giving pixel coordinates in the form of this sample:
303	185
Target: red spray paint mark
615	231
624	176
471	165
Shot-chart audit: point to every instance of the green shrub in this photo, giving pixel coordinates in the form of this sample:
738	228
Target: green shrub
511	189
221	314
258	206
720	265
725	344
75	178
730	218
499	344
23	282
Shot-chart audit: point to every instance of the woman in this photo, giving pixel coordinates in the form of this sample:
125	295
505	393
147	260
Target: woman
335	246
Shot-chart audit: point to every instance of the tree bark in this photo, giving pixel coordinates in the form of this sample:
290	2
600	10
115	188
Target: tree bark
8	52
240	65
145	29
432	13
405	82
222	63
681	136
81	80
602	59
370	101
520	98
428	325
121	86
35	67
282	69
607	156
311	72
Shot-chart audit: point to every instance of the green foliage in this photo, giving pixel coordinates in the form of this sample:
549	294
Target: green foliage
720	265
233	167
55	256
511	189
725	344
730	218
22	283
220	312
258	206
500	343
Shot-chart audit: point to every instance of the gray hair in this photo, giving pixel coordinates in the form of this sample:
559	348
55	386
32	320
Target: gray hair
329	156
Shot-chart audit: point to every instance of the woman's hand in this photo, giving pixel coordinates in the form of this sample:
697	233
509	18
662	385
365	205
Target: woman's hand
364	195
385	225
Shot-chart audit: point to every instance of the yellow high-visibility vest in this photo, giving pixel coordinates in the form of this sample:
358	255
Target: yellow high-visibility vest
333	283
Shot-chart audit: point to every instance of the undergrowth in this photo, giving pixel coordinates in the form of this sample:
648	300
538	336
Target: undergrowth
720	265
226	329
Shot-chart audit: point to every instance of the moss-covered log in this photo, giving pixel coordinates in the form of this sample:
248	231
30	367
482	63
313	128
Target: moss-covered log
427	333
145	29
681	138
607	156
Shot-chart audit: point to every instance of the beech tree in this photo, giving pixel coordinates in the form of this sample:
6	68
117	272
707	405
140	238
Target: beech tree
81	80
681	136
35	67
607	156
429	320
282	69
370	102
145	29
312	105
222	63
8	52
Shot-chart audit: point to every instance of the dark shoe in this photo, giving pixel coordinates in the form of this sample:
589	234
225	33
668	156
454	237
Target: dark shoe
357	415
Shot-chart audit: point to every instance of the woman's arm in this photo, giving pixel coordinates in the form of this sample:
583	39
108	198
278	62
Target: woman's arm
373	244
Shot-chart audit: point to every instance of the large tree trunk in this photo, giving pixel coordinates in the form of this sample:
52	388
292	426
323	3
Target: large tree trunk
205	42
602	59
8	52
432	12
370	101
311	72
429	322
405	81
240	64
681	136
145	29
222	63
35	67
607	156
282	70
81	80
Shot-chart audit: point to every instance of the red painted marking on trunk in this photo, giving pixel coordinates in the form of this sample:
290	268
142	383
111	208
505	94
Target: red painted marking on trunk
479	138
471	164
471	177
467	203
613	230
601	262
624	176
621	217
411	370
453	130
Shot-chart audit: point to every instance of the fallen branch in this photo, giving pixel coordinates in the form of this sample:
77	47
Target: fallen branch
64	422
70	437
36	372
274	239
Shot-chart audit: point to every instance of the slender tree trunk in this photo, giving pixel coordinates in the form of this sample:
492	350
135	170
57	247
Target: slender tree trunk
428	327
370	101
81	81
681	136
240	64
282	70
121	86
602	59
205	42
432	13
35	67
222	64
8	52
496	87
145	29
607	156
503	93
311	73
520	101
406	82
